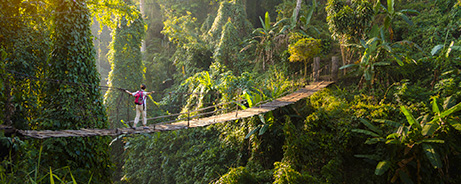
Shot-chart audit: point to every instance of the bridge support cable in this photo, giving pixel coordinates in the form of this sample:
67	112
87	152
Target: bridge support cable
188	122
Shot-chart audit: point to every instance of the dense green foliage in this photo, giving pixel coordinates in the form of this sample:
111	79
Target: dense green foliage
127	70
72	59
392	117
50	82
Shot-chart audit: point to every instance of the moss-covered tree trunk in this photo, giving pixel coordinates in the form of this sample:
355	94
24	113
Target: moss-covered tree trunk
127	70
73	100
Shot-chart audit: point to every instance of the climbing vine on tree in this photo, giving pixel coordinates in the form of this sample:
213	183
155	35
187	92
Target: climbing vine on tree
127	69
74	100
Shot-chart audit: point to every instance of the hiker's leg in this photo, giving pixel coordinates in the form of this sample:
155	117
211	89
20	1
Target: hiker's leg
138	113
144	118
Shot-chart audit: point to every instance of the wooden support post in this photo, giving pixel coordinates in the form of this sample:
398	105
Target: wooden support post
188	119
236	110
316	69
334	68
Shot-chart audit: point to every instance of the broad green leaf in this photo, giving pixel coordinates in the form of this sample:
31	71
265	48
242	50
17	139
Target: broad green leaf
310	12
430	128
403	130
455	124
399	61
393	136
449	102
410	118
366	132
382	167
393	141
261	117
435	106
91	178
438	141
371	126
451	110
409	22
267	21
252	132
382	63
374	140
241	105
263	24
388	122
316	30
72	176
263	129
372	40
458	48
410	11
364	45
248	97
432	155
386	47
436	49
367	75
285	28
51	176
348	66
377	7
281	22
390	6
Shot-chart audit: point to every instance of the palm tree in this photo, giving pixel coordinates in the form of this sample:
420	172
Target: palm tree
263	40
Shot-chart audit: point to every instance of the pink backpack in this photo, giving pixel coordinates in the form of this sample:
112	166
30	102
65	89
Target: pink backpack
138	98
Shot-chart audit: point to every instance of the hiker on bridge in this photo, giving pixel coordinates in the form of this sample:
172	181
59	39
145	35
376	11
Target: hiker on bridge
140	101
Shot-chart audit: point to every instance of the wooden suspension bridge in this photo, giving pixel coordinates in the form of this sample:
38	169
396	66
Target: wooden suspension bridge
190	123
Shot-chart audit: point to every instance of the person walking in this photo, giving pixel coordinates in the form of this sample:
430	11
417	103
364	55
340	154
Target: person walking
140	101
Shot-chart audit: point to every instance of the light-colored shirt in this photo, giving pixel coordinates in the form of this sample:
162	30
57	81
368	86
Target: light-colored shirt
144	95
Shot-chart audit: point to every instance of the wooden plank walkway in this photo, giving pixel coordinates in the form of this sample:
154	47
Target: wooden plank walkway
231	116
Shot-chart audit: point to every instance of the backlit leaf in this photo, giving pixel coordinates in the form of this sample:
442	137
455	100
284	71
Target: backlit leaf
252	132
433	157
382	167
436	49
410	118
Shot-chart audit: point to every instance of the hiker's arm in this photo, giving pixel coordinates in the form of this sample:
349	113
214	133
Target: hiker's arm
128	92
148	93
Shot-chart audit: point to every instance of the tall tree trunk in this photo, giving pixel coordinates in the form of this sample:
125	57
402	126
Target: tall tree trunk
296	11
141	8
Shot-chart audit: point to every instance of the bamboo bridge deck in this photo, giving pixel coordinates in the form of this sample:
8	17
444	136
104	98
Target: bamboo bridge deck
231	116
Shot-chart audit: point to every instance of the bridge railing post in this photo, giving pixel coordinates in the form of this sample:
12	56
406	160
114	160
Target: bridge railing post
316	69
334	68
188	119
236	110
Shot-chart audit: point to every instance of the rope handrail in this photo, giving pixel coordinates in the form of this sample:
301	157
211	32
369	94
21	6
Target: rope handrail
184	113
255	110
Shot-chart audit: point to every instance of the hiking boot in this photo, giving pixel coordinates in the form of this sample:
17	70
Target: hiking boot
145	127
